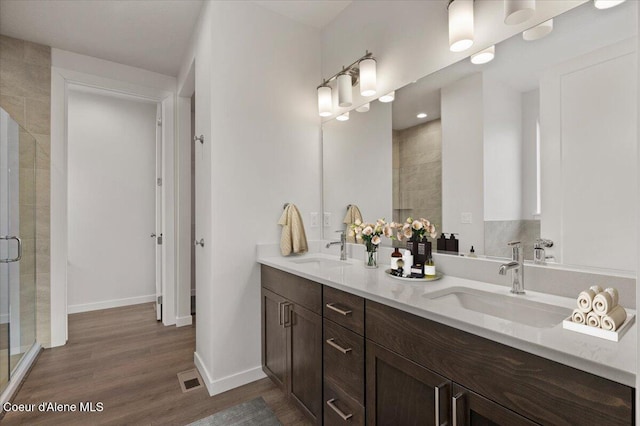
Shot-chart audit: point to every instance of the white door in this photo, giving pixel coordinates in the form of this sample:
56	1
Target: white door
157	235
111	200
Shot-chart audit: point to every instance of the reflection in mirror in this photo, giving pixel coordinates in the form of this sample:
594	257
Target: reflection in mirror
538	143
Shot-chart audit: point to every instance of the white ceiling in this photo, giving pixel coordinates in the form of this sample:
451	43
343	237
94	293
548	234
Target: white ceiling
148	34
317	13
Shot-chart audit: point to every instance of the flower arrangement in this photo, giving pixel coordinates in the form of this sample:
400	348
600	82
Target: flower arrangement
415	229
370	233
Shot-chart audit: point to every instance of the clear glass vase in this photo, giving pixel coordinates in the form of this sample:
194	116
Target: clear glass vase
371	257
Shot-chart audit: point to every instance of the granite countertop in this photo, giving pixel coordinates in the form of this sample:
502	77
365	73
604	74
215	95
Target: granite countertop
613	360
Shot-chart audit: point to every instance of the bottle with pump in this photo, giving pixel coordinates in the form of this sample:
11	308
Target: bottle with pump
472	252
394	258
430	268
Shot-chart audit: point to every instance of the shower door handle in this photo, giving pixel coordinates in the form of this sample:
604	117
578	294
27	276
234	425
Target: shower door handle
7	238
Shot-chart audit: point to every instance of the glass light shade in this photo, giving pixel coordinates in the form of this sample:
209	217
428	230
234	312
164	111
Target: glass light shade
518	11
460	25
343	117
606	4
367	77
364	108
389	97
484	56
345	96
325	103
538	31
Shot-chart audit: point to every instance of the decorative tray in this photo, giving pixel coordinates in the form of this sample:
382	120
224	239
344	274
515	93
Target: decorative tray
614	336
415	280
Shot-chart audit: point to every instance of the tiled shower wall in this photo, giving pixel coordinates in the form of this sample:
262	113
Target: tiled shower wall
25	93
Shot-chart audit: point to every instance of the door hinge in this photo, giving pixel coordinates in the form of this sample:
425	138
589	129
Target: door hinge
159	238
159	181
159	300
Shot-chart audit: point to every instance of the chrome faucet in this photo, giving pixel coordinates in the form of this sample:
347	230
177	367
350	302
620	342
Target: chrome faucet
343	245
517	265
539	255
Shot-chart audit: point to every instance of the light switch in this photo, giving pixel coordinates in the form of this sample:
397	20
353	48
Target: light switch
327	219
314	219
466	217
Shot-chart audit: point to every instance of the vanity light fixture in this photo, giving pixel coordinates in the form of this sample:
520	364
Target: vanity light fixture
484	56
422	115
364	108
325	102
518	11
460	25
606	4
389	97
362	71
538	31
343	117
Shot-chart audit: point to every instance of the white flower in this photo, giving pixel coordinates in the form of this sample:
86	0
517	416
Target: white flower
387	231
417	225
425	222
399	236
433	234
407	232
368	230
375	240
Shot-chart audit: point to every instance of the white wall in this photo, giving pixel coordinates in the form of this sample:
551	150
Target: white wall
357	165
530	119
462	164
111	175
502	111
410	38
256	107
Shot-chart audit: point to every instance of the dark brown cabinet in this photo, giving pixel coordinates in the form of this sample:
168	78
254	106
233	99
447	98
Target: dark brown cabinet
274	338
469	408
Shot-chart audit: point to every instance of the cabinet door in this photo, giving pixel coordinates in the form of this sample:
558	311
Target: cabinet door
469	408
401	392
305	359
274	338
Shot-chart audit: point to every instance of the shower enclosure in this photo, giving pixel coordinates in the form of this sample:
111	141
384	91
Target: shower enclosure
18	150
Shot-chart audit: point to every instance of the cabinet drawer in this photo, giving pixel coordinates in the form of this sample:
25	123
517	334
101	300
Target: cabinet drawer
537	388
297	289
340	408
344	309
344	360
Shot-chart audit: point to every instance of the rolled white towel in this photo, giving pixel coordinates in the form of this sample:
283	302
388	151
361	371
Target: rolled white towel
603	303
593	319
614	294
614	319
578	316
596	289
585	300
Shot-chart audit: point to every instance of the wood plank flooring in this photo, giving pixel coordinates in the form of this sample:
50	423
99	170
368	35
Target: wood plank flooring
127	360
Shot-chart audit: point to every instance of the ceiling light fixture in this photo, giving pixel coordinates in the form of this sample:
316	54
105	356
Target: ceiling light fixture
606	4
518	11
364	108
343	117
389	97
362	71
484	56
422	115
460	25
539	31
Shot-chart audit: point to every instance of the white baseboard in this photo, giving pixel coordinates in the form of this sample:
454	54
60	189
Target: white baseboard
224	384
19	374
115	303
183	321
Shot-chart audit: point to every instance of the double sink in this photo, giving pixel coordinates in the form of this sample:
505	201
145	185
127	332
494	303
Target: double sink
520	309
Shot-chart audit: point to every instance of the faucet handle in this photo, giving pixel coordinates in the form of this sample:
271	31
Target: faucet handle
542	242
513	243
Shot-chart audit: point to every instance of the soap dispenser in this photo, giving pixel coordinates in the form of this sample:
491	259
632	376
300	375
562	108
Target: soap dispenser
452	244
472	252
441	244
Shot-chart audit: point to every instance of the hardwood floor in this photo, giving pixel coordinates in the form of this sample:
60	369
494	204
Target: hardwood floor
127	360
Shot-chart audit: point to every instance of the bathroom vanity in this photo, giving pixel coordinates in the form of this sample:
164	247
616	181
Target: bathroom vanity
354	346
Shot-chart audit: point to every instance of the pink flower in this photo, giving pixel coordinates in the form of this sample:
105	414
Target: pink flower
368	230
417	225
375	240
399	236
387	231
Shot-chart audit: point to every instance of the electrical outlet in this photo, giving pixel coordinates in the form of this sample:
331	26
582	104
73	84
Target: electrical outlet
314	219
466	217
327	219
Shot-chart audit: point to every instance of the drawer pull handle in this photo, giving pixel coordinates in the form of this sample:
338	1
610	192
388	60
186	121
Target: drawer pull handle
457	409
442	387
332	343
339	412
333	307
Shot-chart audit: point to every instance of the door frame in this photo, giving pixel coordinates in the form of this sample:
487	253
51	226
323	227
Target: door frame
61	79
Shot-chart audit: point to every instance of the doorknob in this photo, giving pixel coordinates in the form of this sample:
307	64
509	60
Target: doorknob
199	243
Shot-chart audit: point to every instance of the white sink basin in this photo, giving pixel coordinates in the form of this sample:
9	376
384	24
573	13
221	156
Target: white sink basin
516	308
321	262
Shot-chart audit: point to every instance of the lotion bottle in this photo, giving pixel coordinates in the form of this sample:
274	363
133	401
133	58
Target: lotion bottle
430	268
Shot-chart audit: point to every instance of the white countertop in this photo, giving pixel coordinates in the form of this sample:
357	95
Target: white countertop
613	360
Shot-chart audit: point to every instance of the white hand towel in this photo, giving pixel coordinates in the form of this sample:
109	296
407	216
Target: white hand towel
596	289
614	319
614	294
593	319
578	316
585	300
293	238
353	214
603	303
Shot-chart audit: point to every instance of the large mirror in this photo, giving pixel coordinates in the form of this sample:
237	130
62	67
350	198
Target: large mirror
541	142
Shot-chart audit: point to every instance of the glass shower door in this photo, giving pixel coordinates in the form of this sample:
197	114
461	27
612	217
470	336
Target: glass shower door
17	245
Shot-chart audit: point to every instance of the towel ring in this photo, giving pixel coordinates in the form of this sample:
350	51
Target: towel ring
285	206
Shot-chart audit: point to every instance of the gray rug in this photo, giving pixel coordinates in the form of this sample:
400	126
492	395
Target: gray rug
251	413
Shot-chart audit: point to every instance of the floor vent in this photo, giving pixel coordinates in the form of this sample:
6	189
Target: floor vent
189	380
